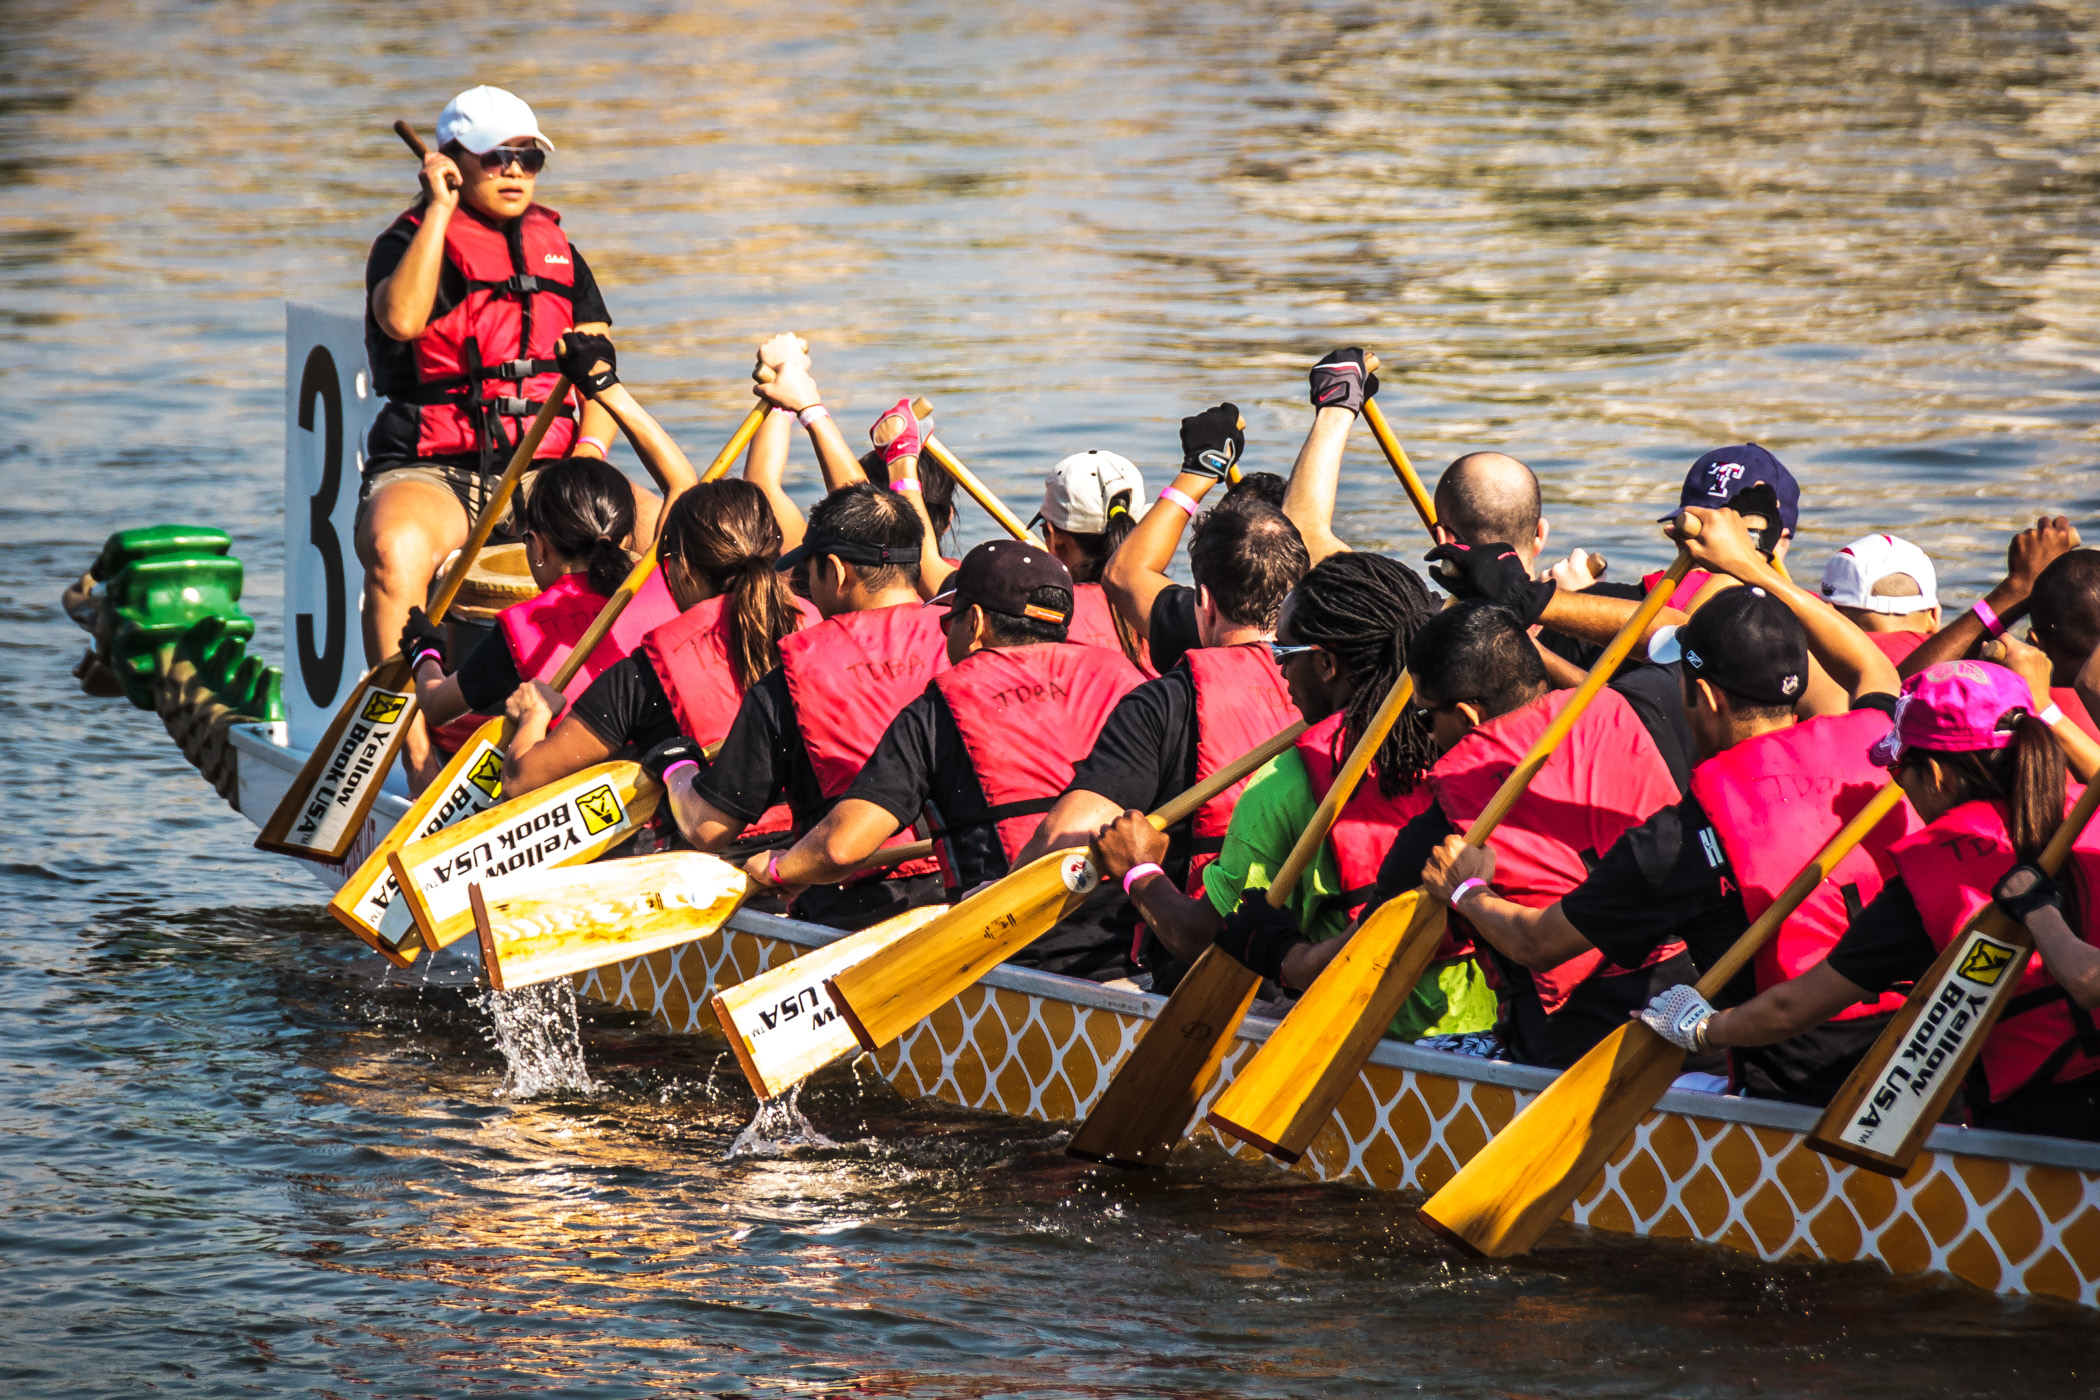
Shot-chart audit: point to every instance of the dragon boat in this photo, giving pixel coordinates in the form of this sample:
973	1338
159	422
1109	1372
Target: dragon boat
2010	1213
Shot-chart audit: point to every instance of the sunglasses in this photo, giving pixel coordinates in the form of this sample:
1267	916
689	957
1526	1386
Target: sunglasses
1279	653
530	159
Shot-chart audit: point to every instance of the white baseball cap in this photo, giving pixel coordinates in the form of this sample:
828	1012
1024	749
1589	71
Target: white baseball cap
483	118
1850	576
1080	490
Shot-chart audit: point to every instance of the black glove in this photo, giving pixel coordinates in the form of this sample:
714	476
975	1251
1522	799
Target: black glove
676	749
419	635
580	350
2044	893
1339	380
1493	572
1258	937
1211	441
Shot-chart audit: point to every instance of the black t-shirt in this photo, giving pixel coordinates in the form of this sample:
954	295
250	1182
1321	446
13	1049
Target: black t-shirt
627	706
1173	632
392	438
1886	945
762	761
489	675
1146	755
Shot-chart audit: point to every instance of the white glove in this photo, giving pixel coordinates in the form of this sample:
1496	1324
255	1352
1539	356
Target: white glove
1679	1015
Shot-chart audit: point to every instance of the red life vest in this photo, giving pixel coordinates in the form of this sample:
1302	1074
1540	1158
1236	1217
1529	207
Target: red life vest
1094	625
1775	800
1898	645
2043	1037
1364	829
541	631
848	677
1027	715
690	655
491	357
1606	777
2074	710
1241	699
1687	587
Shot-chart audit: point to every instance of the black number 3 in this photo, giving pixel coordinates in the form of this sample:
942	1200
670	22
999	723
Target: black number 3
322	671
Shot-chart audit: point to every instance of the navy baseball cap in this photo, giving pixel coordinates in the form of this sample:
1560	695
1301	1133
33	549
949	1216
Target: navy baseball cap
1001	574
1725	473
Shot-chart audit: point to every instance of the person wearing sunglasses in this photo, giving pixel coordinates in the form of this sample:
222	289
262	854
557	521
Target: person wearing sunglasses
469	292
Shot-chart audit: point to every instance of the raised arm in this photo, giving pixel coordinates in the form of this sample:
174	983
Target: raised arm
2031	551
589	362
1211	441
902	434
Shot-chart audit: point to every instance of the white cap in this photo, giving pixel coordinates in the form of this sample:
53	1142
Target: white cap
1850	576
483	118
1079	491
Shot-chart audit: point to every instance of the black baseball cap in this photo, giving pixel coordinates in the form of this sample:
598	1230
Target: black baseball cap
1725	473
868	556
1746	642
1000	574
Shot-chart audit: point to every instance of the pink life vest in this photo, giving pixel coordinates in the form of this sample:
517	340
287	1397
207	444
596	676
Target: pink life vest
2043	1037
848	677
1241	700
542	630
2074	710
690	655
491	357
1364	829
1605	778
1687	587
1775	800
1898	645
1027	715
1094	625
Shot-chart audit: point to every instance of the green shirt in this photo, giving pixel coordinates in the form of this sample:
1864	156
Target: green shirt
1277	804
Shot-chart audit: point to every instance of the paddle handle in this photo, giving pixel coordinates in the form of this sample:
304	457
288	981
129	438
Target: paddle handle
1396	455
1798	889
1185	805
1600	676
485	526
409	138
1341	790
884	857
738	441
967	479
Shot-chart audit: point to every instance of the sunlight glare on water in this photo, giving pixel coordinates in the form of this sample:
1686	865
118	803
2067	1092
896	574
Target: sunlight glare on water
242	1156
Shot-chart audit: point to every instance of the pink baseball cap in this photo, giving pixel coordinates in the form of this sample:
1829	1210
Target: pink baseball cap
1954	707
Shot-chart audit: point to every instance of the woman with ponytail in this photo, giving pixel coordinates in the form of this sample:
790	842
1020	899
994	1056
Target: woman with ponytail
675	696
1987	777
575	516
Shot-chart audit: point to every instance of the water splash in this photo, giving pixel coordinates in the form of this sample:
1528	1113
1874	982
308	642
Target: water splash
778	1129
537	1031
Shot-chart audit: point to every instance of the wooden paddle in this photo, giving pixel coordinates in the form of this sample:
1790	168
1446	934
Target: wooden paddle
1396	455
325	808
1514	1188
555	923
892	990
471	781
1282	1098
1147	1106
967	479
1895	1095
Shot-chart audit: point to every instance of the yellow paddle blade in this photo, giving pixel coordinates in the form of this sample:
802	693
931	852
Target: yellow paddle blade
1527	1176
781	1023
546	924
472	782
322	812
564	823
1146	1108
887	993
1282	1097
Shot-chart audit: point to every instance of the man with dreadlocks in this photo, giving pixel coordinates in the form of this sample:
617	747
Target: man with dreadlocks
1342	638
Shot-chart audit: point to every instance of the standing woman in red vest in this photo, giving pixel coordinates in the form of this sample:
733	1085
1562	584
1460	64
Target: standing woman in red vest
468	292
575	522
1987	776
674	697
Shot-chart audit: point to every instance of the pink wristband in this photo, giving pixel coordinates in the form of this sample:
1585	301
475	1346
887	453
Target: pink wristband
1139	872
910	483
1179	498
595	442
1992	627
1465	888
691	763
2051	716
815	413
773	868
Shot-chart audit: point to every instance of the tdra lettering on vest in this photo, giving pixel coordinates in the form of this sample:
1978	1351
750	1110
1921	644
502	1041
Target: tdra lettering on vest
1952	1018
543	834
478	788
365	740
889	668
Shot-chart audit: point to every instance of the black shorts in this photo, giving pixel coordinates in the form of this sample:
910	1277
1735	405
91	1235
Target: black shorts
463	478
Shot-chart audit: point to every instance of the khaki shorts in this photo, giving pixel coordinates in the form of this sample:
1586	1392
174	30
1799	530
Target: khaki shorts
467	485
